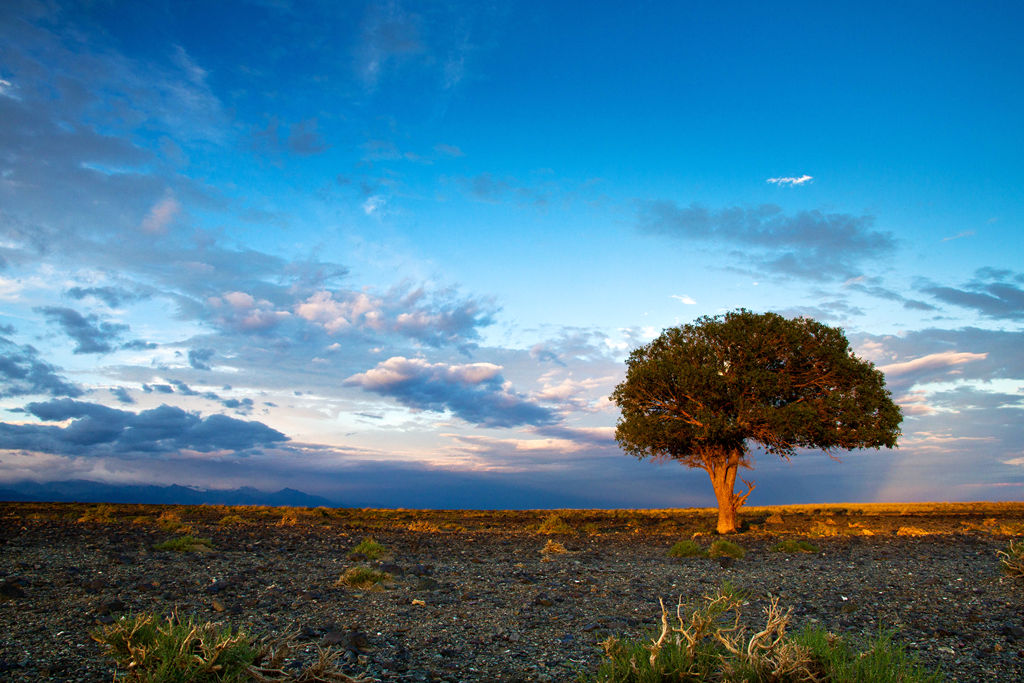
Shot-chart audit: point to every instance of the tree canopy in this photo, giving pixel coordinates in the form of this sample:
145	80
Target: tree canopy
702	393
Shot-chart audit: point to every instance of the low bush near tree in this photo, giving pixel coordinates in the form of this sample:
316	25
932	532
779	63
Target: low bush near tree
687	548
723	548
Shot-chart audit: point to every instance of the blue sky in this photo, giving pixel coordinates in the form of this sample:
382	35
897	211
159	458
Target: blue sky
396	253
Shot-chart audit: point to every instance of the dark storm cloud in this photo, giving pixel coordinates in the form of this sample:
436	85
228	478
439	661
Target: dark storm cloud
475	392
22	373
992	293
90	333
97	430
810	244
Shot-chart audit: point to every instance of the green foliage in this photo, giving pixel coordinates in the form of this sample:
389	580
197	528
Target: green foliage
723	548
1012	559
362	577
554	524
709	643
185	544
791	545
687	548
783	383
170	650
368	548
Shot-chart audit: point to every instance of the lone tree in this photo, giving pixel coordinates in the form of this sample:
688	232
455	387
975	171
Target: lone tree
702	393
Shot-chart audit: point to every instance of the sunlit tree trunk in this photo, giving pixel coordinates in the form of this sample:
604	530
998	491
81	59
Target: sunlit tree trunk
722	470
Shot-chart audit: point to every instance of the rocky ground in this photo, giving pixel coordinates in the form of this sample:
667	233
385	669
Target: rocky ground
473	597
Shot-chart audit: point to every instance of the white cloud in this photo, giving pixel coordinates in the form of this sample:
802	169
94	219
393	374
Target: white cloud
946	359
373	204
791	180
684	299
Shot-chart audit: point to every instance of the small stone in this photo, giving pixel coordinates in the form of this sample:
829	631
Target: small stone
592	626
10	590
94	586
392	568
543	600
112	606
218	606
427	584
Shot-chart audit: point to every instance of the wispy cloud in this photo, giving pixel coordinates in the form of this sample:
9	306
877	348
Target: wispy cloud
993	294
790	180
682	298
811	244
960	235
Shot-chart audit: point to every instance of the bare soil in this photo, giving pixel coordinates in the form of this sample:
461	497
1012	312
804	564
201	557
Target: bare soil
473	597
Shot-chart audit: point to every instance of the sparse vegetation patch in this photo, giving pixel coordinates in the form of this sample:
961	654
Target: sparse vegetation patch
710	643
362	577
368	549
157	649
723	548
792	545
186	544
687	548
554	524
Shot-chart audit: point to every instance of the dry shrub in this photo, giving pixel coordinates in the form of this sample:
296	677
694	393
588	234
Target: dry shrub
554	524
553	547
291	517
1012	559
912	531
423	526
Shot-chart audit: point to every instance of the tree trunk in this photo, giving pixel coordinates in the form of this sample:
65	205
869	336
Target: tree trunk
723	479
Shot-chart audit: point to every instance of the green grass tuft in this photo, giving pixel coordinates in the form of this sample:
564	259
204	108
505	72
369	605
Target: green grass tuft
687	548
362	577
368	548
723	548
155	649
186	544
791	545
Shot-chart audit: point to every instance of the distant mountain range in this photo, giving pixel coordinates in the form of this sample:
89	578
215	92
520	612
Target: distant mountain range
82	491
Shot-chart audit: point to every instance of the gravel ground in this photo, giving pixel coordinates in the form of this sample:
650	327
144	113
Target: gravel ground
487	605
